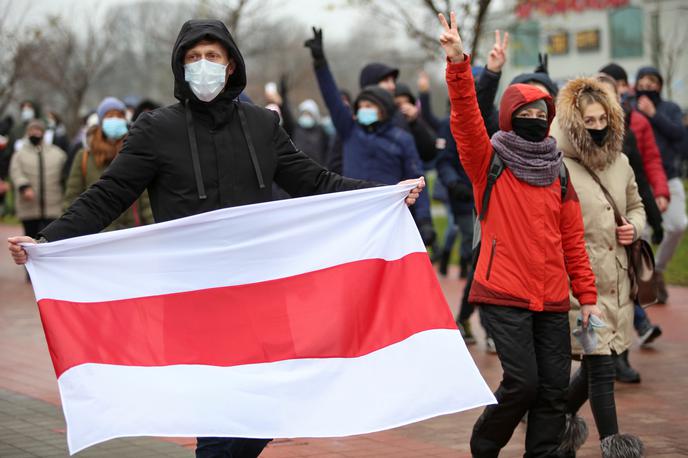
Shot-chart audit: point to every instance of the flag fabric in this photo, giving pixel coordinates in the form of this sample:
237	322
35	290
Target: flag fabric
311	317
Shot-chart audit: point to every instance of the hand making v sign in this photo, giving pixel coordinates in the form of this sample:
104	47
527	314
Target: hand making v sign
451	40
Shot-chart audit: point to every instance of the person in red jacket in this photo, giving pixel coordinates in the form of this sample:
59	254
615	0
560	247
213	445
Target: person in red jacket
532	250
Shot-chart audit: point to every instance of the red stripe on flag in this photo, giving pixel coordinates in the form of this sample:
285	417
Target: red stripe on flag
344	311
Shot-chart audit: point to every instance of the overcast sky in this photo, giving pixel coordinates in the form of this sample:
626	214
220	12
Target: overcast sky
332	15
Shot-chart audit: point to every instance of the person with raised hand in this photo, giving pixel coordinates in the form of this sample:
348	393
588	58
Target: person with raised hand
374	148
533	249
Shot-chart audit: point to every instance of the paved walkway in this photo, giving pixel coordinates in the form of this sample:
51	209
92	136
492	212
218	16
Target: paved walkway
31	422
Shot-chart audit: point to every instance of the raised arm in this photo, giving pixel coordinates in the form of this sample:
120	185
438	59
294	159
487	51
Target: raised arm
467	126
341	115
425	102
488	81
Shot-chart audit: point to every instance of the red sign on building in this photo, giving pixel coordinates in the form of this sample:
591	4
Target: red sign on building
524	8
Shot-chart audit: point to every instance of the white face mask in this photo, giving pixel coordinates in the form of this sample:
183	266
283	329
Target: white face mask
27	114
206	79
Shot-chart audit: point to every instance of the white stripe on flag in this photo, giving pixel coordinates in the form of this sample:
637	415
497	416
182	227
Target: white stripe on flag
391	387
227	247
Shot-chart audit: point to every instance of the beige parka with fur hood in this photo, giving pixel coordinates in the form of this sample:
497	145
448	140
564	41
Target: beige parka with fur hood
607	257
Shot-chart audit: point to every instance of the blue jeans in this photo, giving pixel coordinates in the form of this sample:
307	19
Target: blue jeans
229	447
640	318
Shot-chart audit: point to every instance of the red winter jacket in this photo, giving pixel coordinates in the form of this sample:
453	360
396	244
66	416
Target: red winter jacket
652	161
532	243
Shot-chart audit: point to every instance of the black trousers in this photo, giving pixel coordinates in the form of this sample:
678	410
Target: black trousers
595	380
534	349
229	447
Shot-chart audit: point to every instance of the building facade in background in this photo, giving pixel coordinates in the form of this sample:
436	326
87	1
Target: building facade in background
581	36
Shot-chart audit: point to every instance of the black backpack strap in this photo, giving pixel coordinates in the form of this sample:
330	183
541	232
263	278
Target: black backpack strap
493	172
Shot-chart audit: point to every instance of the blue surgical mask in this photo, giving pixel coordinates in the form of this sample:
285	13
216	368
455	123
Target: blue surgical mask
367	116
306	121
114	128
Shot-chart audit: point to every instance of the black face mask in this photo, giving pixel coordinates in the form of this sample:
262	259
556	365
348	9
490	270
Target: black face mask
599	136
35	139
531	129
652	95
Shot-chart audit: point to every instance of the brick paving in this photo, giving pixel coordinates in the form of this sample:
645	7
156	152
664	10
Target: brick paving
31	422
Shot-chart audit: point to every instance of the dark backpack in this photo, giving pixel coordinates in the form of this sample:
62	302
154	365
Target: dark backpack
493	173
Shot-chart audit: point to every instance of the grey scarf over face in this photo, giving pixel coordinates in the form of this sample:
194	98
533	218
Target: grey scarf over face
536	163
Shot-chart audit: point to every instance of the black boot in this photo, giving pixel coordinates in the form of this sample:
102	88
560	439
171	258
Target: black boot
444	262
624	372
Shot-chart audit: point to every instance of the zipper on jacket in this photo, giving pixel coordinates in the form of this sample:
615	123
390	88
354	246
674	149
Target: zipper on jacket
489	264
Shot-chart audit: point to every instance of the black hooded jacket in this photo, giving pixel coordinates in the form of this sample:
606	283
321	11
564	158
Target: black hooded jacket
157	154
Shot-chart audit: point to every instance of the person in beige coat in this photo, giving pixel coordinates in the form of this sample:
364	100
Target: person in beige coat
590	134
36	172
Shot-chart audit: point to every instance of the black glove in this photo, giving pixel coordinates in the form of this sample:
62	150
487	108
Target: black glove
427	232
316	46
459	192
542	66
657	234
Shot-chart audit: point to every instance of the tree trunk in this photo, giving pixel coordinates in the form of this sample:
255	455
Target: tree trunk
483	6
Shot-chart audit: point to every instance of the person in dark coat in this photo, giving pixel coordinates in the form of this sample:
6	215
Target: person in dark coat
665	118
374	148
207	152
306	130
423	134
386	77
451	173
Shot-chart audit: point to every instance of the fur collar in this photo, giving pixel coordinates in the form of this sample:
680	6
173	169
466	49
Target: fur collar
575	140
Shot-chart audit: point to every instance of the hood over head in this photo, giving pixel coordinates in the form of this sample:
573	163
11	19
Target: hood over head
311	107
518	95
537	77
646	71
191	33
404	89
575	140
374	73
379	97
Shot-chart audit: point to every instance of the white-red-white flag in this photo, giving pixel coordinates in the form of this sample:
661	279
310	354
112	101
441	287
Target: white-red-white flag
311	317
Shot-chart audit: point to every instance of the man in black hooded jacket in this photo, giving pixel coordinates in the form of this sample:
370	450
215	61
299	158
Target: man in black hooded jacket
208	151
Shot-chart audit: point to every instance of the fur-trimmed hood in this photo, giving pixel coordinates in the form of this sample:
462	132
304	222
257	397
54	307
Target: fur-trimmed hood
574	139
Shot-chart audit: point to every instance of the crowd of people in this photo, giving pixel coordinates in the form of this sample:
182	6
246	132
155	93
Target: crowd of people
571	176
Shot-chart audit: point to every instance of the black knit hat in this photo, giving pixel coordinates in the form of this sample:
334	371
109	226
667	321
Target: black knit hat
376	72
537	77
616	71
379	97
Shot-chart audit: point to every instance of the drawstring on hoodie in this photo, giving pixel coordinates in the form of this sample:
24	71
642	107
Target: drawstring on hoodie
194	152
249	141
194	149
